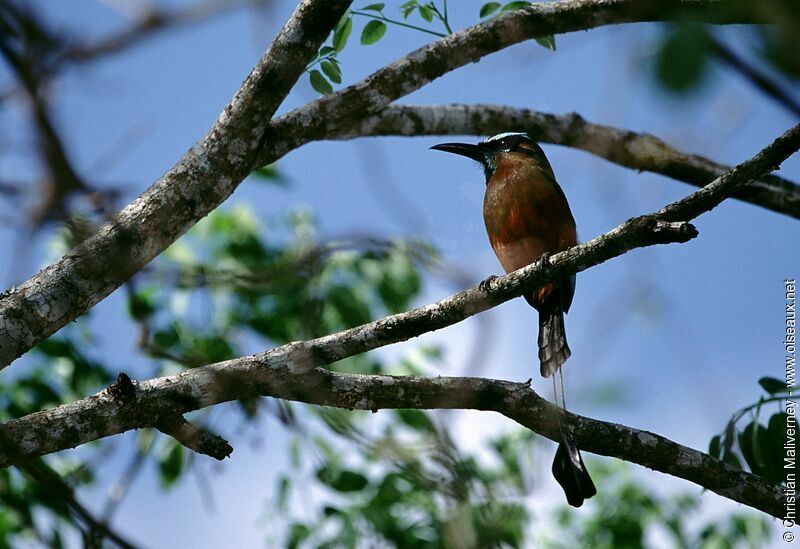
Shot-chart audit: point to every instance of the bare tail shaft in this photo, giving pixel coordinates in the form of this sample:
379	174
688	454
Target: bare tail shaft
553	348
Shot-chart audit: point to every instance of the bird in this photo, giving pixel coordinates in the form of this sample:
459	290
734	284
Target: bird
528	218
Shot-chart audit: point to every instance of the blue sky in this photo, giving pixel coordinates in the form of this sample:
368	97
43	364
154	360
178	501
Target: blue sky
683	332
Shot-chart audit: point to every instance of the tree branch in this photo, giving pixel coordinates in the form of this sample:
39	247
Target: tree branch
243	138
638	151
275	376
49	480
151	22
21	38
195	438
291	371
371	95
759	79
519	402
206	175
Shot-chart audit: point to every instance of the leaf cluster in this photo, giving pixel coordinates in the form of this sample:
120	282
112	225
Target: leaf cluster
430	17
759	445
625	513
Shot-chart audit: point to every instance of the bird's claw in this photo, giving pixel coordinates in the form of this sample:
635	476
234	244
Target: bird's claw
486	285
543	261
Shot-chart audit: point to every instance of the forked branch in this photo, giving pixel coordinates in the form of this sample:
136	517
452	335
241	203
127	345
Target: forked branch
292	371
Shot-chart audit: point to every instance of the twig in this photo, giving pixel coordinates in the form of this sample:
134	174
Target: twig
195	438
151	23
385	19
44	475
758	78
638	151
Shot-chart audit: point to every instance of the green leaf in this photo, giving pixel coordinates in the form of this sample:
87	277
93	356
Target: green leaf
772	385
332	71
342	33
407	8
270	174
209	349
39	394
489	8
327	451
416	419
166	338
548	42
284	485
350	308
55	348
426	13
731	459
141	305
342	481
777	428
511	6
400	282
374	7
319	83
340	421
373	31
683	58
729	438
714	447
171	464
297	534
756	447
326	50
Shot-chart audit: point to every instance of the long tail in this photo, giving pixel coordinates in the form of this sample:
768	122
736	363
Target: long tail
553	348
568	467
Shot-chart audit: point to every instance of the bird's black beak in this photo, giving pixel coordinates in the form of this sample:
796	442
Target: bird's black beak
475	152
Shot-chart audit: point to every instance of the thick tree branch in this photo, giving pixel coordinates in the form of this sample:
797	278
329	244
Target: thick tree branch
291	371
206	175
243	137
639	151
373	94
520	403
273	374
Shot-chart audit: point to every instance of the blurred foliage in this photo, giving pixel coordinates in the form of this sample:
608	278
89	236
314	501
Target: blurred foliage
686	51
408	486
627	514
272	290
395	479
683	56
759	446
398	478
63	369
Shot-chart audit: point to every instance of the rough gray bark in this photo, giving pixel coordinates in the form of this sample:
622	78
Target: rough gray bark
205	176
211	170
273	375
292	371
638	151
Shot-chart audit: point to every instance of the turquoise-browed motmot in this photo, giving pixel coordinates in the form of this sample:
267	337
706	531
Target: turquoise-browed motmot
527	218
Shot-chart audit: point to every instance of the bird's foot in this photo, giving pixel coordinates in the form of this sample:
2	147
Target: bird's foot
486	285
544	261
